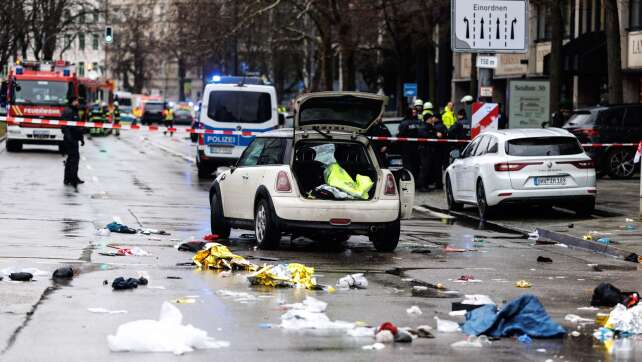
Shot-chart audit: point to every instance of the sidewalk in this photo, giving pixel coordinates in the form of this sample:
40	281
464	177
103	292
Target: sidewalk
616	217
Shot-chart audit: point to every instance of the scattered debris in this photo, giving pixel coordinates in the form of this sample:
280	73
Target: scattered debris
423	332
476	299
375	347
66	272
576	334
185	301
153	231
310	316
357	281
607	295
384	336
472	341
524	339
168	334
625	320
240	297
116	227
106	311
544	259
102	232
121	283
446	326
210	237
414	310
173	277
421	251
21	277
361	332
458	313
218	256
534	236
523	284
574	318
467	279
524	315
285	275
634	258
605	241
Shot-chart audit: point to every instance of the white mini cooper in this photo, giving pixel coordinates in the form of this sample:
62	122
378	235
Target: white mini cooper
278	185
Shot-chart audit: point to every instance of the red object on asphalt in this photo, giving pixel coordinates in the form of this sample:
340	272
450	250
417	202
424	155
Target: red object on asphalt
466	278
210	237
389	327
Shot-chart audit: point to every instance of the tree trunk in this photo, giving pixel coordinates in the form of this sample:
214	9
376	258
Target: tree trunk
421	62
431	74
613	52
555	65
49	47
327	77
181	79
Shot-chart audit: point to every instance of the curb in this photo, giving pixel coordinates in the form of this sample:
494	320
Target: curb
509	228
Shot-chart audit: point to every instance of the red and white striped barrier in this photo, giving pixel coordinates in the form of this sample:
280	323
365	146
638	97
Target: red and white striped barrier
17	120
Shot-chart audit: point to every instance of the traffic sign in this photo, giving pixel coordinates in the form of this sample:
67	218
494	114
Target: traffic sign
410	89
487	61
489	26
485	91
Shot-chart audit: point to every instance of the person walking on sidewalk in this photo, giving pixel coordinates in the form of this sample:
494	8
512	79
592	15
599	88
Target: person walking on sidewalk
71	136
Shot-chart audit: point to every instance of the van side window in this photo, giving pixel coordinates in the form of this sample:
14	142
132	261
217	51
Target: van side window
272	152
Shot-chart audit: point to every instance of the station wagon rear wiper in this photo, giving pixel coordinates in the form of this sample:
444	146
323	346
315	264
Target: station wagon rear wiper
326	135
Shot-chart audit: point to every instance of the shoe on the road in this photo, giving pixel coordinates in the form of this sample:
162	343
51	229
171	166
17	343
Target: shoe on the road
79	181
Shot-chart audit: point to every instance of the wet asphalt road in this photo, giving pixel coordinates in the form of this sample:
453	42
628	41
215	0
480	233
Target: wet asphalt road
149	180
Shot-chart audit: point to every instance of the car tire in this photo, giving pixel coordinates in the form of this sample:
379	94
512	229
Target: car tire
268	236
14	146
386	239
584	208
482	204
203	170
620	163
217	217
450	199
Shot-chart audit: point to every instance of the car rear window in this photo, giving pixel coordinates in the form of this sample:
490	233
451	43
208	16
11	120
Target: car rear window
543	146
580	119
239	107
154	107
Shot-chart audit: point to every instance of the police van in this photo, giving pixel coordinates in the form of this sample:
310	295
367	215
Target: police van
232	105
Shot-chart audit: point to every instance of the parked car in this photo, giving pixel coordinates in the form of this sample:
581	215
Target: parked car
195	123
537	166
609	124
152	112
270	190
183	114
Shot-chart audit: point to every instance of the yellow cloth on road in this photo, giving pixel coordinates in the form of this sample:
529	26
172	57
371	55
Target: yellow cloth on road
337	177
285	275
218	256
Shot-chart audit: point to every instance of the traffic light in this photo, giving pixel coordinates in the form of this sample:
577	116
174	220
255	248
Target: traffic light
109	34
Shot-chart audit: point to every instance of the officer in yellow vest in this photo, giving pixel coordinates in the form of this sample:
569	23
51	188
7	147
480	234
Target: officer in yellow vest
169	120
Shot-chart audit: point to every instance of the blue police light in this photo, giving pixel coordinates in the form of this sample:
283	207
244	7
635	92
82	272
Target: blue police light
19	70
216	78
66	72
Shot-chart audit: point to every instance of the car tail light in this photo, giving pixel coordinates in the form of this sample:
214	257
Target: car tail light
390	187
201	139
579	164
588	132
340	222
513	166
592	191
283	182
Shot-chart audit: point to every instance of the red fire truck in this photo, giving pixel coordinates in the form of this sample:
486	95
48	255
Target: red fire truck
36	90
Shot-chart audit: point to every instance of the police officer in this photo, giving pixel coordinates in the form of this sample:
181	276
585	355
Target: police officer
169	120
440	153
71	136
410	127
380	147
426	153
419	107
448	116
115	118
428	109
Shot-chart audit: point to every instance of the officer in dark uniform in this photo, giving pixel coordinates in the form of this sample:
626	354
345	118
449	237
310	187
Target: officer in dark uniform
380	147
426	153
410	127
441	151
71	136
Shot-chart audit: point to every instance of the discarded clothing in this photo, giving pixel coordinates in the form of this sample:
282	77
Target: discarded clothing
606	295
285	275
524	315
357	281
326	192
625	320
446	326
121	283
633	258
336	176
167	334
115	227
311	315
193	246
543	259
21	277
210	237
218	256
63	273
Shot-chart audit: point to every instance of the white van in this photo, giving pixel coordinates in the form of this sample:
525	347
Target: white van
232	104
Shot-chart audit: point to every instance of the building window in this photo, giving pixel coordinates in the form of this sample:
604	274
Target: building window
81	41
635	14
96	16
568	17
543	26
81	69
94	66
94	41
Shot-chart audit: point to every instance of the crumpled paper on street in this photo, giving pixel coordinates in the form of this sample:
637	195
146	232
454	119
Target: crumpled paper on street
310	315
285	275
167	334
628	320
218	256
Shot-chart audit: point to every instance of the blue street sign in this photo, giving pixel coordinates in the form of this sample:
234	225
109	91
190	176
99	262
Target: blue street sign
410	89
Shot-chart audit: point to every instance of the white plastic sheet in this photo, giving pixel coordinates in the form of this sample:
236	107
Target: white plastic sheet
446	326
167	334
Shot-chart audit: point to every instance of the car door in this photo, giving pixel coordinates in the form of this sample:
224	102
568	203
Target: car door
457	175
263	173
234	188
471	167
466	191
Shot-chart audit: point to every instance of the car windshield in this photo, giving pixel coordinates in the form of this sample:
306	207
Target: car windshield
239	107
543	146
124	102
42	92
579	119
183	112
154	107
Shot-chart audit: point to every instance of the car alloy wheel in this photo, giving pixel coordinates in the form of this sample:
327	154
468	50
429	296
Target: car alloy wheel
260	224
450	198
482	205
621	164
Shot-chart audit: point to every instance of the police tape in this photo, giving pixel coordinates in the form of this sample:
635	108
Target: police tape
104	125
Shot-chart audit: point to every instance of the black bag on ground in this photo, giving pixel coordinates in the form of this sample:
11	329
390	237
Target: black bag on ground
606	295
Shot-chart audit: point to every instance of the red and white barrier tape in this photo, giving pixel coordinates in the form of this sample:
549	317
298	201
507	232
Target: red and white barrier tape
16	121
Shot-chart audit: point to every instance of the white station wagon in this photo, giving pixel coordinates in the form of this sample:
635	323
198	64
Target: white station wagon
276	187
524	166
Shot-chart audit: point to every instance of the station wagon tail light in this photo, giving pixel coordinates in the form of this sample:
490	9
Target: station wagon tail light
201	139
283	182
588	132
579	164
513	166
390	187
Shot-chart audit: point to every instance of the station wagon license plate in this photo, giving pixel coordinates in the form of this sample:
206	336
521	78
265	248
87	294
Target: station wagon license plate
226	150
40	134
549	180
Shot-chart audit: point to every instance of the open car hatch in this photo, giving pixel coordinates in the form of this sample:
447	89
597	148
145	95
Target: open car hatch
352	112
